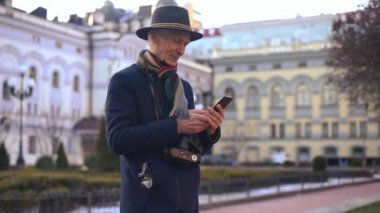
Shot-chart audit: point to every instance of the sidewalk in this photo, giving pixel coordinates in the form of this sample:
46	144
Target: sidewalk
334	200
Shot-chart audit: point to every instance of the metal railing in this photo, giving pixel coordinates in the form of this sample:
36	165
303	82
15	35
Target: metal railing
211	192
243	188
57	202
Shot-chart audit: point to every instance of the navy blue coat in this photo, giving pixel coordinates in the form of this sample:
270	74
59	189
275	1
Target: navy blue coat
135	134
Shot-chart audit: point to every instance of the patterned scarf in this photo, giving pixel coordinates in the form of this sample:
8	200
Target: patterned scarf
175	95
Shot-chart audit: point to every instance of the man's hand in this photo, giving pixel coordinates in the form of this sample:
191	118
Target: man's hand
195	124
214	118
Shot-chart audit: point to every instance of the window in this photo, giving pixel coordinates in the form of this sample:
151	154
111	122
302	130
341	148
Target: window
252	67
302	95
229	69
52	111
277	66
304	154
302	64
76	84
35	109
330	152
58	44
29	109
329	94
32	73
75	114
273	130
358	152
277	96
298	130
252	98
36	38
55	111
58	111
335	130
6	91
32	145
307	130
352	129
325	130
363	129
282	130
55	82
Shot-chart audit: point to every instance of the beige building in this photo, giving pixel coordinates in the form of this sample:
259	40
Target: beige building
285	107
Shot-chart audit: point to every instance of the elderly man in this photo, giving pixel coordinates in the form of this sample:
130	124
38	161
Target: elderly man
152	124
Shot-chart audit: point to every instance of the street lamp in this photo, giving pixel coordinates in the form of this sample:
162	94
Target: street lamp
21	89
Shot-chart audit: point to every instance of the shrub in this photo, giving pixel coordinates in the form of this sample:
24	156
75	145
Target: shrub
288	163
106	161
45	163
4	158
319	164
90	162
356	163
61	162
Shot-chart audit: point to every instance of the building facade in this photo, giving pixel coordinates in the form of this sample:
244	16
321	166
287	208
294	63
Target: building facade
285	106
70	64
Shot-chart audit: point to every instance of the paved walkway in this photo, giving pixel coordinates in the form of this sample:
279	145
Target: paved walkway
334	200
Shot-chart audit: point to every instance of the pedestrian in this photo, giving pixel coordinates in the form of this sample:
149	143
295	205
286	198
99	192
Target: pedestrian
152	124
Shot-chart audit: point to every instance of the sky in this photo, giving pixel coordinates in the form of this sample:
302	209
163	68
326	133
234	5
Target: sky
213	13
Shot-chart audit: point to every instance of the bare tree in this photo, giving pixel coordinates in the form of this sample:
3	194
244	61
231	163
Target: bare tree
355	55
50	129
6	121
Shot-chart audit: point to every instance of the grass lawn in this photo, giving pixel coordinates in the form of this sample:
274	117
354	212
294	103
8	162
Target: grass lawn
370	208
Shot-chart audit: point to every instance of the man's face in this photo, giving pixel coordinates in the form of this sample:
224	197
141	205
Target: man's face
169	45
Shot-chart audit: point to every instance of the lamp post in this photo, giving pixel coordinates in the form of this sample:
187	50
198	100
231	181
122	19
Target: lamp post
21	89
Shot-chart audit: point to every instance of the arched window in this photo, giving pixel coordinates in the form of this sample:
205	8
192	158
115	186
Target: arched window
304	154
277	96
6	91
302	95
230	92
329	94
357	152
33	73
55	82
76	84
330	152
253	98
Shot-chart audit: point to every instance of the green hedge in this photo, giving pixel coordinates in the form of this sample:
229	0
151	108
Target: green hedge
319	164
39	181
216	173
45	163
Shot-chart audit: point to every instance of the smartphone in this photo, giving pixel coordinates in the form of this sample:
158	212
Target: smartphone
223	102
